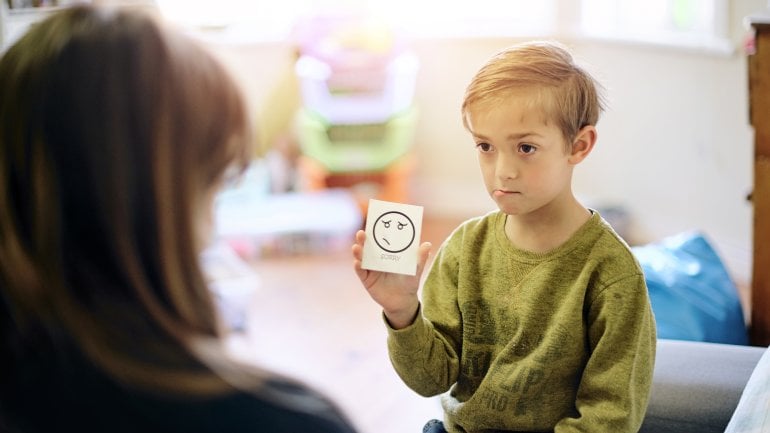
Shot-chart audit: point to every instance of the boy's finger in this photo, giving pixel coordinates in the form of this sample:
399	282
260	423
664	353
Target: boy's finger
357	251
424	252
422	256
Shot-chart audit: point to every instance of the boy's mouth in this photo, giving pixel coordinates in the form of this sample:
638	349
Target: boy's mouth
503	192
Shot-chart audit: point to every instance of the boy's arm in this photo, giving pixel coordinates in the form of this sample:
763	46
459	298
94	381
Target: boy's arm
615	387
426	354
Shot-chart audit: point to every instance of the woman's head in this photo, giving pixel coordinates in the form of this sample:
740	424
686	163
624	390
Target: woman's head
565	92
114	134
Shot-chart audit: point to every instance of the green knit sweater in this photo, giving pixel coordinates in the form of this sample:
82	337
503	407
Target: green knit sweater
557	342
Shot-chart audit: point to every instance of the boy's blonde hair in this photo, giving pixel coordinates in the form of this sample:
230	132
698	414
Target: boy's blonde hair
567	93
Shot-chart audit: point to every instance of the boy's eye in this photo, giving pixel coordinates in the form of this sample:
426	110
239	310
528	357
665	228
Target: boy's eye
526	148
484	147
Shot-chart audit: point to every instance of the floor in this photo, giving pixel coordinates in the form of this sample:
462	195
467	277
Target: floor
311	318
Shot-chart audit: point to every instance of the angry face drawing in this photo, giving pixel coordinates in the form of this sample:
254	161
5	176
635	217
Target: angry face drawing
394	232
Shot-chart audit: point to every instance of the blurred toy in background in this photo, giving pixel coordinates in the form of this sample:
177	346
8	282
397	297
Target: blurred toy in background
355	128
282	162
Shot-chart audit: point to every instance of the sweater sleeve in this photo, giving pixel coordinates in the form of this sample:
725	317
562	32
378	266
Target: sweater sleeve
426	354
614	389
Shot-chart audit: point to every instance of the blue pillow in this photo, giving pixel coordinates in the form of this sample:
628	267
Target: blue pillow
692	294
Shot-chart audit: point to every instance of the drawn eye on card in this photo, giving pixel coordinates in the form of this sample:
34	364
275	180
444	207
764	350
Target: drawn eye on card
392	237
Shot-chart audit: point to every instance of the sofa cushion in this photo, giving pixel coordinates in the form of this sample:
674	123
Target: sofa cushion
697	385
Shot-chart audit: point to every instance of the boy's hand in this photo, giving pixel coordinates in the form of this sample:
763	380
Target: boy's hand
396	293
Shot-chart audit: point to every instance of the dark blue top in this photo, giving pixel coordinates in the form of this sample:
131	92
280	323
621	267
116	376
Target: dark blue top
45	397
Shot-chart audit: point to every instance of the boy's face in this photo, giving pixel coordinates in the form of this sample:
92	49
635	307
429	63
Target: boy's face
523	158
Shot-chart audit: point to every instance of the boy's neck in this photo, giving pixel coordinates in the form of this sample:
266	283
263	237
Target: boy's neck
546	230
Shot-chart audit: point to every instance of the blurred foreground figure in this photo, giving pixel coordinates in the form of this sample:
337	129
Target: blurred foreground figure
115	135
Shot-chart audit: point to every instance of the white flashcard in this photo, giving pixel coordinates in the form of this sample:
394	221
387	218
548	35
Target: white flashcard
392	237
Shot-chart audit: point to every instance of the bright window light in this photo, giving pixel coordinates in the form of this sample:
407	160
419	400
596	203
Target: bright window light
476	18
275	20
699	24
692	23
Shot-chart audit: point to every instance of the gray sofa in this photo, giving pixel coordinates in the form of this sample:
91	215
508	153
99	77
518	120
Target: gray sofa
697	386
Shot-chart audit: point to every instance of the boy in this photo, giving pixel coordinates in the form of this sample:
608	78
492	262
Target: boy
535	317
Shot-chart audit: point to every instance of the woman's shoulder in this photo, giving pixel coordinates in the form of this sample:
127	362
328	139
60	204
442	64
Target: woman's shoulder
278	406
84	398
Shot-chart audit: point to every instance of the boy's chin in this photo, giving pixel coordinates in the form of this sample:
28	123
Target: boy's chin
511	210
506	206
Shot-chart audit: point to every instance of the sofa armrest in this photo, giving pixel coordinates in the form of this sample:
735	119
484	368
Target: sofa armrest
696	386
753	412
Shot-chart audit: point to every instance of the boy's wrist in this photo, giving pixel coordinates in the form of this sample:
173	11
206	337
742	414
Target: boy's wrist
402	318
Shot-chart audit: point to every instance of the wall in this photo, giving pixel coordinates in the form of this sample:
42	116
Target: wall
675	147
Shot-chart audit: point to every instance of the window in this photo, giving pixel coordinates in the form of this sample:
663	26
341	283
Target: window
469	18
422	18
698	24
695	24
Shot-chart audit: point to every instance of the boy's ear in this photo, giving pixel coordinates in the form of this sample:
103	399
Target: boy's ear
583	144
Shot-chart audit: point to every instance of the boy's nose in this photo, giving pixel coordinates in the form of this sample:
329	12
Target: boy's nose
506	168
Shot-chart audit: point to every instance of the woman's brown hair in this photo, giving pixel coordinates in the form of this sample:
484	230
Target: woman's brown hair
113	133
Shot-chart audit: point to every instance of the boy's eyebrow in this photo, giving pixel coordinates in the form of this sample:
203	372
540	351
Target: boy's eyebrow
510	137
522	135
